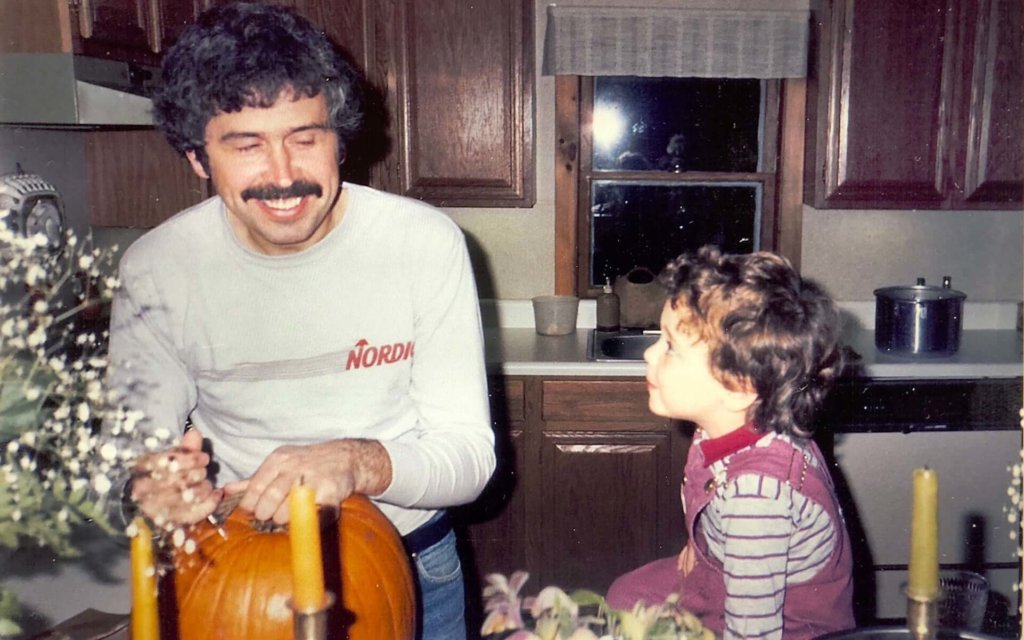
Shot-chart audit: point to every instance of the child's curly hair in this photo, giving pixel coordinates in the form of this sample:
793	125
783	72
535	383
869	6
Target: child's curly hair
765	327
244	55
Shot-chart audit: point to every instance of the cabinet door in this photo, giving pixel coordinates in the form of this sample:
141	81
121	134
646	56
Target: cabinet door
137	31
604	504
607	484
35	26
118	29
989	156
458	82
879	104
172	18
494	523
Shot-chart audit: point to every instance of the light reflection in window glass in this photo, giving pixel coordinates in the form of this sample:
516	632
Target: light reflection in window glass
646	224
677	124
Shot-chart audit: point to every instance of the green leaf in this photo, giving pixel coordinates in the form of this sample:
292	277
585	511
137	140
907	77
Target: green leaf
585	597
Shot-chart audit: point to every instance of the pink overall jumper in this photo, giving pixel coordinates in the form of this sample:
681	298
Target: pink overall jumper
821	605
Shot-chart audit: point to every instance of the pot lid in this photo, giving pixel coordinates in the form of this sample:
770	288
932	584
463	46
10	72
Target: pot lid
919	293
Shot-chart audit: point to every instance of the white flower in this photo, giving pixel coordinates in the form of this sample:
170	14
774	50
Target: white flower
66	393
37	337
108	451
34	275
101	484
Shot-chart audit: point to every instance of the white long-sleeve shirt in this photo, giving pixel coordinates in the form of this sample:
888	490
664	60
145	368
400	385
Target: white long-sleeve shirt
374	332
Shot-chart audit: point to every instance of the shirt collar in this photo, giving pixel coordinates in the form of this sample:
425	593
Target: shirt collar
714	449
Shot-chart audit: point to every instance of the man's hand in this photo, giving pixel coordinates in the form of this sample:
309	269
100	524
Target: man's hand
335	469
171	488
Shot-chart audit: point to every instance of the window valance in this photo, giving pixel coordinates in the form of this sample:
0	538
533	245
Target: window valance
681	42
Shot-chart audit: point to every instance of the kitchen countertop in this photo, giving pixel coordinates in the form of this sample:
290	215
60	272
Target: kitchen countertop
990	346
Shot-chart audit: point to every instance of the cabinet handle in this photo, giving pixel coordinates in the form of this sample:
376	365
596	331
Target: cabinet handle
156	28
85	18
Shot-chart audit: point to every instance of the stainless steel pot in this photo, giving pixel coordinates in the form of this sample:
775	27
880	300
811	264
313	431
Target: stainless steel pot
919	320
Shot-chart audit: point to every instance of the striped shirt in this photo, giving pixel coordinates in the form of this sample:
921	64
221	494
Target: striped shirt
766	535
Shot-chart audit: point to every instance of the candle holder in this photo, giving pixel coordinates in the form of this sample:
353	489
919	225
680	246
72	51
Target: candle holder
311	624
922	616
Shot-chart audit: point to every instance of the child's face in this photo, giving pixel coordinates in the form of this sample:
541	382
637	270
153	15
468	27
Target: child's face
681	384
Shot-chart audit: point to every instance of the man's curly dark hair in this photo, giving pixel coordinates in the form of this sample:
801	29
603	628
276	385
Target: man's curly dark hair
244	55
765	327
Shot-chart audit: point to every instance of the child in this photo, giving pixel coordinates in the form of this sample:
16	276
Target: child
747	353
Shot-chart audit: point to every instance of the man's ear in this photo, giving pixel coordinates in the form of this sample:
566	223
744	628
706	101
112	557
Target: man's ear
197	166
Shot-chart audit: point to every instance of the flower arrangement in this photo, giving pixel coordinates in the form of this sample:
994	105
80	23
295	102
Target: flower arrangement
585	615
1015	511
64	441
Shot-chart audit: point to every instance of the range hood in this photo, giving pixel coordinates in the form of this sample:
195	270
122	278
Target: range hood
62	89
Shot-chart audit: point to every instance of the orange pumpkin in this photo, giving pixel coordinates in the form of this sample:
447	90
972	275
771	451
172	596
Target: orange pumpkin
237	586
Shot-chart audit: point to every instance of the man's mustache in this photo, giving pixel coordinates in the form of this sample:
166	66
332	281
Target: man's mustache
296	189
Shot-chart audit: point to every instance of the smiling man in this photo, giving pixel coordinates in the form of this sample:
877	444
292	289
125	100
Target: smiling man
310	330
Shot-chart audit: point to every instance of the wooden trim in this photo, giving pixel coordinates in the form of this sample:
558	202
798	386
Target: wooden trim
584	189
567	148
789	207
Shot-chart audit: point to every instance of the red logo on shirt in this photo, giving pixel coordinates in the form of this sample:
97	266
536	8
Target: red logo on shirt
365	355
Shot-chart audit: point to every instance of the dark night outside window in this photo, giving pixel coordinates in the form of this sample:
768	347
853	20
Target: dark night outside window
644	224
671	164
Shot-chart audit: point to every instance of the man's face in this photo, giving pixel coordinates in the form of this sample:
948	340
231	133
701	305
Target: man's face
277	171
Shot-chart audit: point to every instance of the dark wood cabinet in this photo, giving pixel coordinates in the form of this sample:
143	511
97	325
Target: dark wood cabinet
916	107
136	31
119	29
587	485
457	82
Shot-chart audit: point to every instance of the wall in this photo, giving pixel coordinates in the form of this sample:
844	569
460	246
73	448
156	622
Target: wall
849	252
853	252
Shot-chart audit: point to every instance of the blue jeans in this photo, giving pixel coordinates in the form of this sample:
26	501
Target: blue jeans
442	604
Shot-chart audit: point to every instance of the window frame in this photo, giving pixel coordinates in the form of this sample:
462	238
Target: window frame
781	176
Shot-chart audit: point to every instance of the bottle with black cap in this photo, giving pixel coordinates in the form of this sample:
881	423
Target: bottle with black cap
607	308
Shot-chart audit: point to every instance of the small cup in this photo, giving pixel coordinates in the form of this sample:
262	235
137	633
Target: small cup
555	315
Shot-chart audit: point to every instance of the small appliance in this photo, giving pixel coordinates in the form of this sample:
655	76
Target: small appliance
31	205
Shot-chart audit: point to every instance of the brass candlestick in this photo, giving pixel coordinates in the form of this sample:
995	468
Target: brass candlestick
311	624
923	616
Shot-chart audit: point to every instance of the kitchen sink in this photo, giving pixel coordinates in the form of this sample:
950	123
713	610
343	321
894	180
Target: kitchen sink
620	346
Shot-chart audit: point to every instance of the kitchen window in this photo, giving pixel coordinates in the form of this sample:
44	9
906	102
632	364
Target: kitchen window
670	164
675	127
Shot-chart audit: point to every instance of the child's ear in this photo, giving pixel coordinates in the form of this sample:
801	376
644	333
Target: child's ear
742	398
